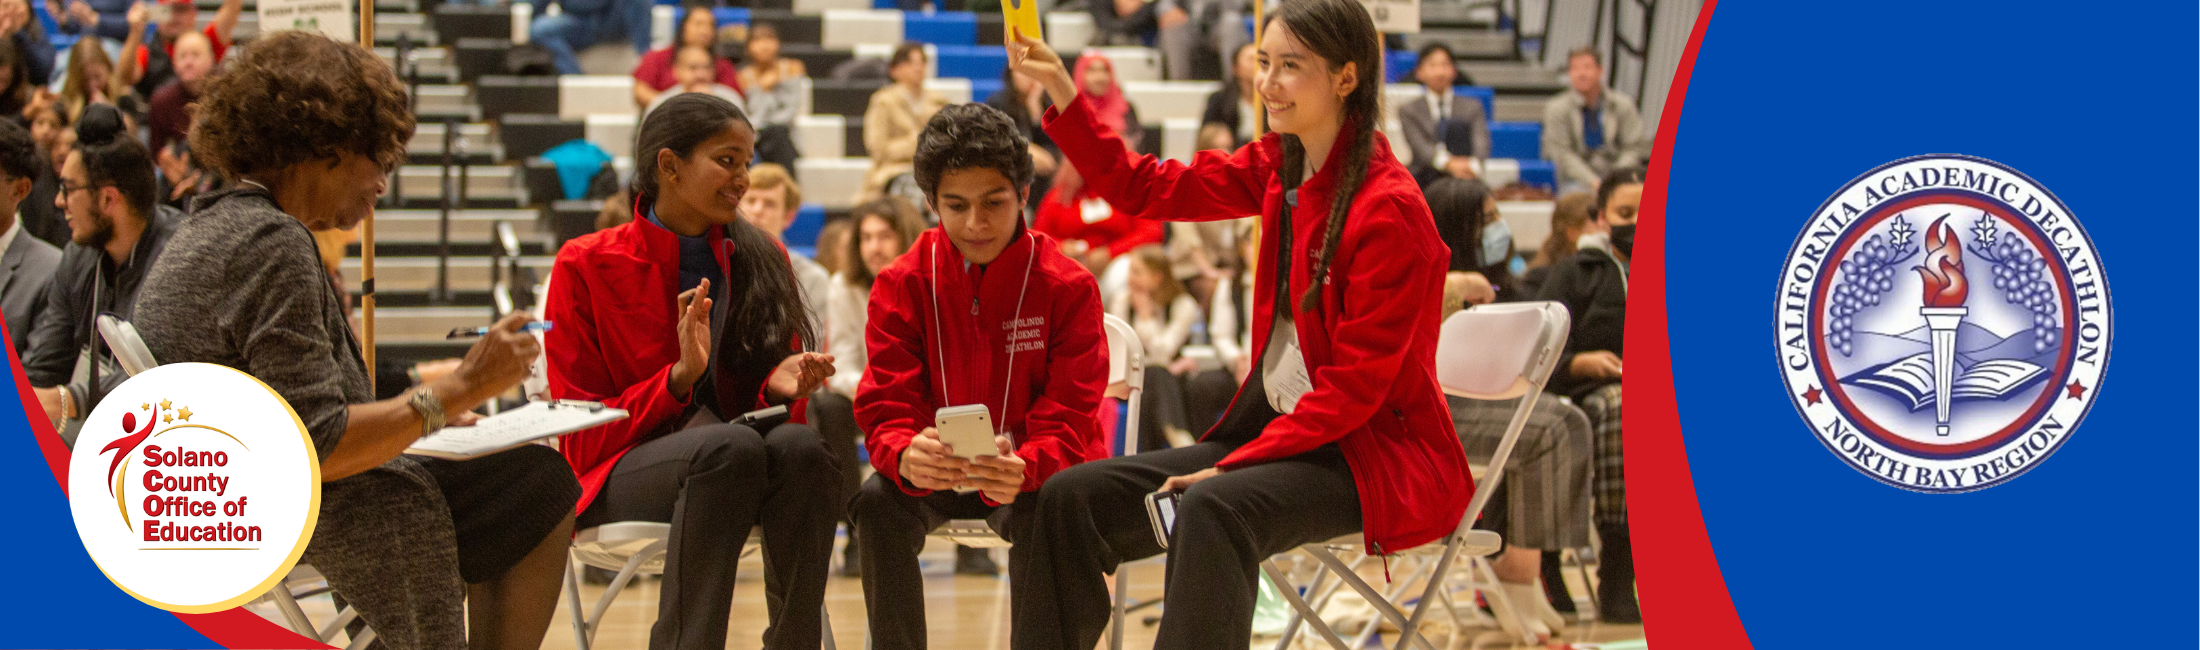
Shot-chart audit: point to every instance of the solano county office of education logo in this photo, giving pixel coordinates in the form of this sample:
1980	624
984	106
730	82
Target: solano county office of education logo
194	487
1943	323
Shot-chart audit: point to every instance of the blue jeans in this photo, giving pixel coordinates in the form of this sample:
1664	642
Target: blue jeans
565	33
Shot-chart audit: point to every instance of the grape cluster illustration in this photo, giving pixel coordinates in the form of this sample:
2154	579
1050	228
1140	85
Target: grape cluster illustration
1866	275
2021	276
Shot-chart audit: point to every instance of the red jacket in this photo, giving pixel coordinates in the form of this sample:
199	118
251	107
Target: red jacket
613	295
1119	233
1371	347
1061	359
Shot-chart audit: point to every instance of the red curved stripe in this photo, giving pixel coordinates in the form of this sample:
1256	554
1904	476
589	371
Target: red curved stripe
1684	597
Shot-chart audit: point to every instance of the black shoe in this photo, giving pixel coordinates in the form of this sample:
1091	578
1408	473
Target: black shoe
1622	610
851	565
975	562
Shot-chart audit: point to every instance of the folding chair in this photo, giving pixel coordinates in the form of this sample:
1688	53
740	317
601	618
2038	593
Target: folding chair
1491	352
1126	371
632	548
305	582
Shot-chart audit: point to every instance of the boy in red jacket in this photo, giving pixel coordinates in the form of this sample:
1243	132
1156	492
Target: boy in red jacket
980	311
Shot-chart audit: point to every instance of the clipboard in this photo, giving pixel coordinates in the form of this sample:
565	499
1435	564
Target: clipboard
526	424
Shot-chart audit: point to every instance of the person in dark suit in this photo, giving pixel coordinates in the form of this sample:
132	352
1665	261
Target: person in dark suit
26	262
1229	117
1444	131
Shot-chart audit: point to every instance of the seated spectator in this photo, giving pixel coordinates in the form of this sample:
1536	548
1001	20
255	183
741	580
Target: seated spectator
927	352
431	552
30	261
1545	505
1207	393
1481	244
1162	312
1091	231
1429	121
583	23
149	63
1230	110
91	18
692	72
1201	253
20	28
1593	285
884	229
181	177
898	112
774	88
770	205
49	127
656	73
688	317
168	114
1193	34
1024	101
16	92
116	233
1569	216
1590	130
90	79
1123	22
1095	78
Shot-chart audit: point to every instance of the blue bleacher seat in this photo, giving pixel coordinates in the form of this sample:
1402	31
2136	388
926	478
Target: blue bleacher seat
731	15
1399	64
1486	94
972	61
981	89
1523	140
807	223
1540	173
941	28
885	4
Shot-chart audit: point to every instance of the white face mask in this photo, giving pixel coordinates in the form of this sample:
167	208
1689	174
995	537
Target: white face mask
1594	240
1497	239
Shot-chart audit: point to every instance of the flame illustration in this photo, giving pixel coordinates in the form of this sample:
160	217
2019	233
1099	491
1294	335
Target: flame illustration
128	443
1943	267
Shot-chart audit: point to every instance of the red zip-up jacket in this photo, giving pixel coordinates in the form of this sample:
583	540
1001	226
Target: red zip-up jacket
613	295
1060	359
1370	348
1064	219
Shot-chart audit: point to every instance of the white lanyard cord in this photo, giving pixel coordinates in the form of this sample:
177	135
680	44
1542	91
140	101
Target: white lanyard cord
940	352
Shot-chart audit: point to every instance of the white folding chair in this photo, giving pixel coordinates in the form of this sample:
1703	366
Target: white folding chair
1126	375
1491	352
305	582
632	548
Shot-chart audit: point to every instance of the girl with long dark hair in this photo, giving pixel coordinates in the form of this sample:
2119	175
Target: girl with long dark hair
688	317
1341	429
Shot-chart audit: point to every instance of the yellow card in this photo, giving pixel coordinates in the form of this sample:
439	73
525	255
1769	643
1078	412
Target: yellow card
1023	18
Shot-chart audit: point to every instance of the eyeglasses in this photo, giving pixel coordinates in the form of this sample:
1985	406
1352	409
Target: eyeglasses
68	188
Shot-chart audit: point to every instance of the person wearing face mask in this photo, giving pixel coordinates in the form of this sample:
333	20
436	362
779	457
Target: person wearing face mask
1480	242
1593	286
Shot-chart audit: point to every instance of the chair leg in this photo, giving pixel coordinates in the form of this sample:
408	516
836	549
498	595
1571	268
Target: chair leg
293	616
1122	600
581	636
366	639
825	616
343	618
1374	598
1504	607
627	574
1305	613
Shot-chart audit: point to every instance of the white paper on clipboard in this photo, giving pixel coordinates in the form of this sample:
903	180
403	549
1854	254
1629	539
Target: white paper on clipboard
535	421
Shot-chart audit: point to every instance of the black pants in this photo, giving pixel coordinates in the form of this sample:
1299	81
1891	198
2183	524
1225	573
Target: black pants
1161	409
1089	518
714	483
892	526
835	417
775	144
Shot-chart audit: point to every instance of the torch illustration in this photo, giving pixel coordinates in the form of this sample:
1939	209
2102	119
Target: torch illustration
1945	291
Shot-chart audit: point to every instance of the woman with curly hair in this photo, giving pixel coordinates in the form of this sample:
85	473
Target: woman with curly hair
307	128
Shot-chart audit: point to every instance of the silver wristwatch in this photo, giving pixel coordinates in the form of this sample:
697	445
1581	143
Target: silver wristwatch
430	408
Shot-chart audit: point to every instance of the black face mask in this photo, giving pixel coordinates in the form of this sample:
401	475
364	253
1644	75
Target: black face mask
1623	239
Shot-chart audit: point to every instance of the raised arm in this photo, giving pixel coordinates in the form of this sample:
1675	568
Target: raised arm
225	22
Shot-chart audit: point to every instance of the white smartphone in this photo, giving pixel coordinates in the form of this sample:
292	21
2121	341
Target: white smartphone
1161	512
968	429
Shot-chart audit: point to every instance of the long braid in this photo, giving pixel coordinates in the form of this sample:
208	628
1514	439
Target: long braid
1349	180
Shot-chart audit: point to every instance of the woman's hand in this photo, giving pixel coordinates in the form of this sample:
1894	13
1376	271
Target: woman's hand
1183	366
799	375
694	337
926	464
1185	482
499	361
1033	58
1596	364
1000	476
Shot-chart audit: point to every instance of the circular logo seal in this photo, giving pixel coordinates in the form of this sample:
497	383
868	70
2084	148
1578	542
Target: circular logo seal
1943	323
194	487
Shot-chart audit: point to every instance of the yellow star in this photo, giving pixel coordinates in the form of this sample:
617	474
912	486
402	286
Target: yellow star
184	414
165	419
142	407
164	405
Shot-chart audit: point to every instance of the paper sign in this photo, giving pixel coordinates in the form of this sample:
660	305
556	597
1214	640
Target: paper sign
1395	16
332	18
1023	19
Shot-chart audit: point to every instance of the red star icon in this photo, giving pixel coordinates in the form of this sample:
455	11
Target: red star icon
2077	390
1812	394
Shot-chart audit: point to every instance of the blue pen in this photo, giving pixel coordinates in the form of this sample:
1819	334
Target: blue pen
532	327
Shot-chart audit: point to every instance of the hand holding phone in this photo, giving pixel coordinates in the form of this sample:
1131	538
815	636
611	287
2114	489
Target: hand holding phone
926	463
1161	512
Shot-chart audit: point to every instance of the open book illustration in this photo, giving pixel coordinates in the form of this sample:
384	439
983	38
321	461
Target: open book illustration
535	421
1911	379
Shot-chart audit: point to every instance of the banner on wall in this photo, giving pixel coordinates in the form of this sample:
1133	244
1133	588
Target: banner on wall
332	18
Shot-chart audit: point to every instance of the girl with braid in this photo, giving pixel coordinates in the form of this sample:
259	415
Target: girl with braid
1341	429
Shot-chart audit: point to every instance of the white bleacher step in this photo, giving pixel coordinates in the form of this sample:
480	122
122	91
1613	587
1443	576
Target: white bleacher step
434	62
1068	31
1179	138
415	226
832	182
820	6
418	273
1519	109
821	136
581	95
424	324
851	27
414	25
1530	222
955	89
482	182
473	137
446	99
1465	43
1133	63
613	132
1521	75
1166	100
